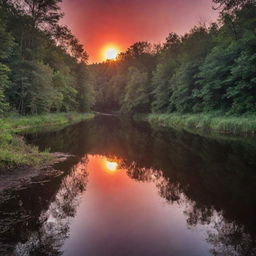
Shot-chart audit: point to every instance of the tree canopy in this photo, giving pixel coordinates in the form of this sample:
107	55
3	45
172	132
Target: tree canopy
42	64
211	68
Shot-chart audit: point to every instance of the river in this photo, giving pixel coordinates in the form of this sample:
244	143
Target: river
132	190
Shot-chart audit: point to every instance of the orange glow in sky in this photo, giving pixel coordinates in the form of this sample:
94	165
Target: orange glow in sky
98	23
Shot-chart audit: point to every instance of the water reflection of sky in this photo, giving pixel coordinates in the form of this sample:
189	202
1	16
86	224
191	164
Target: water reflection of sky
121	216
100	210
159	191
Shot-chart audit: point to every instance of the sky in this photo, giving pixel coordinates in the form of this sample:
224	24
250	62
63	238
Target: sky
101	24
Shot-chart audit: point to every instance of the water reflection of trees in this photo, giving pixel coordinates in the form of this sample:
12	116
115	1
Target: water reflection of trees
49	238
227	238
214	175
230	239
168	190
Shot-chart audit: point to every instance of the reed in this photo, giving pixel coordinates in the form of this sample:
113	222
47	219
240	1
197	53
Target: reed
235	125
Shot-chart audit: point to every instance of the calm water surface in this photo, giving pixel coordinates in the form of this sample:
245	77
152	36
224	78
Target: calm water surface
130	189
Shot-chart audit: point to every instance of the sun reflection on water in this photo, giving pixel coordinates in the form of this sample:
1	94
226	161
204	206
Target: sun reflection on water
111	165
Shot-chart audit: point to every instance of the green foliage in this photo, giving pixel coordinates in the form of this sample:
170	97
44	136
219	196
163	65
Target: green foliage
43	66
21	123
6	46
4	83
40	60
42	70
243	90
245	125
18	153
231	5
160	83
228	77
114	82
42	12
208	69
15	152
6	41
85	96
32	84
137	92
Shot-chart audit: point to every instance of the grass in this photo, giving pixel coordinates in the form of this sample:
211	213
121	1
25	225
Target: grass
235	125
14	152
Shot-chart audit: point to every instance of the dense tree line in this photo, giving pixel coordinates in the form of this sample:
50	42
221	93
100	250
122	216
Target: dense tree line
42	65
211	68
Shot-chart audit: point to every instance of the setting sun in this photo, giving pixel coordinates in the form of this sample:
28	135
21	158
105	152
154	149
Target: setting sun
111	53
111	166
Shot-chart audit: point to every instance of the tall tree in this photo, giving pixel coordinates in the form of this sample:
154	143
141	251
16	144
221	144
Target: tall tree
45	13
137	92
6	46
85	97
228	6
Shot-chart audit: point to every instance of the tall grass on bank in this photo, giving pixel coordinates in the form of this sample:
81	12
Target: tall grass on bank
236	125
15	152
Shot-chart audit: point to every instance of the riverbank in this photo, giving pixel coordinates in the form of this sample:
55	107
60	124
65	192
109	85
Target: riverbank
234	125
14	152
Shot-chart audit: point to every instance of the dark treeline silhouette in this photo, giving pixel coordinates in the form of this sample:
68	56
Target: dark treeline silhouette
42	64
211	68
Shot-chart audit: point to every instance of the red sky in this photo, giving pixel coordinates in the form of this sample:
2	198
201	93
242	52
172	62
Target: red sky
98	23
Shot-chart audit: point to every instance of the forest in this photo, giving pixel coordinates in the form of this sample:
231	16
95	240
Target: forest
211	69
43	66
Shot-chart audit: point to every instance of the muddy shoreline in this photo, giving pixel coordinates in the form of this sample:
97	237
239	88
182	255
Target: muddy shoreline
15	179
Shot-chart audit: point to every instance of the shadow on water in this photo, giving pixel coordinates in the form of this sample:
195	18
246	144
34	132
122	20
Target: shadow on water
215	179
